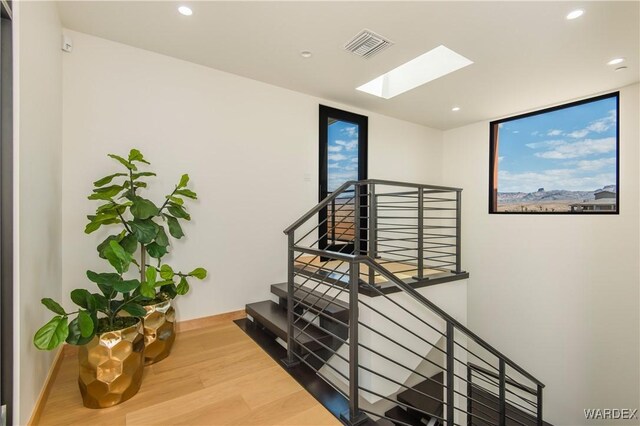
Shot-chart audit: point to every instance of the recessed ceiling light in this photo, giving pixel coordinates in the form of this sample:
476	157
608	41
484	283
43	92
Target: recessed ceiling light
575	14
186	11
615	61
418	71
622	68
454	109
305	54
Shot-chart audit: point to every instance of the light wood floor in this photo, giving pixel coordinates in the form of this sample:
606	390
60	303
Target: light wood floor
215	375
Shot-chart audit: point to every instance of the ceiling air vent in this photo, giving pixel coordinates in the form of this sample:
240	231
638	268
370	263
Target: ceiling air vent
367	43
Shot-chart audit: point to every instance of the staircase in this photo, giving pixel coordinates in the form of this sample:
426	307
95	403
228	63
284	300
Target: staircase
354	311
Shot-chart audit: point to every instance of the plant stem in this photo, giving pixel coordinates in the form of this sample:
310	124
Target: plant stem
167	200
143	259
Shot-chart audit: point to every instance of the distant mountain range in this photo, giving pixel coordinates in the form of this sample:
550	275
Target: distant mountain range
541	196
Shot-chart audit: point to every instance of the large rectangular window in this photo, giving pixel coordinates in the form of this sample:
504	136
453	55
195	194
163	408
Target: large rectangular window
559	160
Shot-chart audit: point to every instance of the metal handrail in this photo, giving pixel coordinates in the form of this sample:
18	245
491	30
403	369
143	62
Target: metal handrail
325	202
364	250
448	318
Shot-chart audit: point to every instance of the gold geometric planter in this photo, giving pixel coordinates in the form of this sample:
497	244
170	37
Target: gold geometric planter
159	331
111	367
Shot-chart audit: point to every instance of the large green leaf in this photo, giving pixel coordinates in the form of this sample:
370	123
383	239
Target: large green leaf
118	257
84	299
105	281
178	201
75	335
107	179
155	250
147	290
144	230
105	278
103	245
199	273
143	208
184	180
135	155
134	309
106	193
129	243
142	174
100	301
124	162
161	238
183	287
53	306
166	272
85	323
178	211
52	333
187	193
99	220
174	227
126	286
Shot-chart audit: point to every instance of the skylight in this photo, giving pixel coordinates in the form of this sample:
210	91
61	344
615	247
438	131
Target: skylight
418	71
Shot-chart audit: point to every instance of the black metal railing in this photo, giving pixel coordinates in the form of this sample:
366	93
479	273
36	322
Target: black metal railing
363	239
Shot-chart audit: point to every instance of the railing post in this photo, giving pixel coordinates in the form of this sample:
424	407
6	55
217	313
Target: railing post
502	410
373	230
469	390
290	360
450	374
420	275
333	221
356	218
354	416
539	398
458	232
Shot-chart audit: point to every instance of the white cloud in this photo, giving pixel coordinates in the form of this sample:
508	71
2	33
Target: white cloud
554	132
333	165
500	159
348	145
536	133
336	157
351	131
334	148
354	160
578	133
593	165
579	149
545	144
598	126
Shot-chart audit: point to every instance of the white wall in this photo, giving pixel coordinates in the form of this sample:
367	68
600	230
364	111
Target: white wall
251	150
557	294
38	187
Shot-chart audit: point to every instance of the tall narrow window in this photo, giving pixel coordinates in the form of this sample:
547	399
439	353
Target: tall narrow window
560	160
343	158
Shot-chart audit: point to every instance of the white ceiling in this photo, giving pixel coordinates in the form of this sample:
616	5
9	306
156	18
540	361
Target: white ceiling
526	54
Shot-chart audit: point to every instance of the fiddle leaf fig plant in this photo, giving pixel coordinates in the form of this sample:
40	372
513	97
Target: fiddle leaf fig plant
141	231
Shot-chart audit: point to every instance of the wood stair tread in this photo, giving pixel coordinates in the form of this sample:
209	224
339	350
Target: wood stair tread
274	318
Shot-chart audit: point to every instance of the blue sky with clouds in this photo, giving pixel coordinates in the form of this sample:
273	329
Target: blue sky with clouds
572	149
342	158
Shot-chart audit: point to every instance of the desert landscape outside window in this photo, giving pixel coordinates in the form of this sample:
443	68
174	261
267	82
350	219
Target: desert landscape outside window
560	160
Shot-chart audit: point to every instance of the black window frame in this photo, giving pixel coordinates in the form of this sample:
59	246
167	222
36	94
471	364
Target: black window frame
362	121
494	153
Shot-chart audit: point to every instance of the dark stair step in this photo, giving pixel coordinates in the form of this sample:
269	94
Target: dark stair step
271	316
515	416
334	308
412	397
399	417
